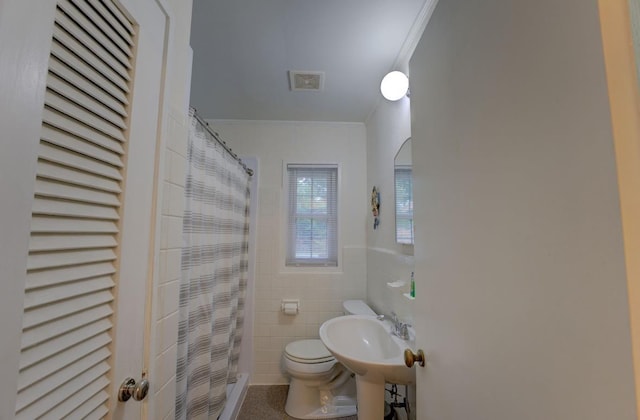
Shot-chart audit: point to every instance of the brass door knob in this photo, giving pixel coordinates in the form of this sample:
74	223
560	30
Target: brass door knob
410	357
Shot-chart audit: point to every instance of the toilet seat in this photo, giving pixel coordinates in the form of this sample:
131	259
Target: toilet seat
308	352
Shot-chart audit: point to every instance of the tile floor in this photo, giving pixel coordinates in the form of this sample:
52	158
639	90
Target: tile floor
266	402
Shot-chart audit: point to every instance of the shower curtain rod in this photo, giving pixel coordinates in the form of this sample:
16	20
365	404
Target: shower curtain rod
217	138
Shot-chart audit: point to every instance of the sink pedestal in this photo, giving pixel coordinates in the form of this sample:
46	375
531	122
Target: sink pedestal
370	398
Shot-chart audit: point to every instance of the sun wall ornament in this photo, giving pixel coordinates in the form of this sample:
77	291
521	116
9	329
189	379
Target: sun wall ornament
375	207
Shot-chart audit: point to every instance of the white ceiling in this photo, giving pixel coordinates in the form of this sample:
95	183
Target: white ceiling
243	50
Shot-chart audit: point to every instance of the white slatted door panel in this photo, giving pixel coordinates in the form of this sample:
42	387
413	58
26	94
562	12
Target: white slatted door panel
72	265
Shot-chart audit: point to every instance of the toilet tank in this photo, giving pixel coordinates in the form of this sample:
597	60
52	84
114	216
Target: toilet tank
357	307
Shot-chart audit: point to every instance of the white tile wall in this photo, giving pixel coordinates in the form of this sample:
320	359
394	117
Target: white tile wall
320	292
165	399
168	287
385	266
166	301
165	369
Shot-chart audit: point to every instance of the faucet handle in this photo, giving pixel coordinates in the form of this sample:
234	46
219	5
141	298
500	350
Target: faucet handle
404	331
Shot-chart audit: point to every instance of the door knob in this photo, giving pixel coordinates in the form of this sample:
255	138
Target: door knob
410	357
129	388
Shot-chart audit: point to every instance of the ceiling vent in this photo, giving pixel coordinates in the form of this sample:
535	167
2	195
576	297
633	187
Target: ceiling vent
306	80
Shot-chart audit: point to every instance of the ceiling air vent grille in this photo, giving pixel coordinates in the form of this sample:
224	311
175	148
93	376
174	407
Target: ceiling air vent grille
306	80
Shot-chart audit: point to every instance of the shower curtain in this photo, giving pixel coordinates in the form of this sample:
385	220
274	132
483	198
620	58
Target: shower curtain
214	275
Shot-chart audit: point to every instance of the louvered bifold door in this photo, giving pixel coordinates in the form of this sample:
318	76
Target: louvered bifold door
72	264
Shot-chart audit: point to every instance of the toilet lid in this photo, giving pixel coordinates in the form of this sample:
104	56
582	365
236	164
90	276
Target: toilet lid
312	351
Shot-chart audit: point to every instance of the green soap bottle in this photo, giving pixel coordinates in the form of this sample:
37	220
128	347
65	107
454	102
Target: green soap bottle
412	293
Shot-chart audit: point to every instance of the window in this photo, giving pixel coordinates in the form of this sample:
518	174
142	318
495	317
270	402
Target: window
404	205
312	238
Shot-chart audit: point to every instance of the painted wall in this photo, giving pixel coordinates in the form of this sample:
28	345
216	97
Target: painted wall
387	129
519	245
321	291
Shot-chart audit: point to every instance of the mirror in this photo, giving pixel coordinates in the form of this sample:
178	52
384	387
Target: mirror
404	194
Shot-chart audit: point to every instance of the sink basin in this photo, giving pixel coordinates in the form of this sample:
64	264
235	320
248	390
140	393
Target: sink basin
365	345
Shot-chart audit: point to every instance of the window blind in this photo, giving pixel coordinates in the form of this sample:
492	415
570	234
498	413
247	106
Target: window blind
404	205
312	226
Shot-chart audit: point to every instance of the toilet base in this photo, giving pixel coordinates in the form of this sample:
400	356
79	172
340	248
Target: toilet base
304	402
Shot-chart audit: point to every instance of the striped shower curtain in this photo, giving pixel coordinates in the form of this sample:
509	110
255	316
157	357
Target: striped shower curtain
214	276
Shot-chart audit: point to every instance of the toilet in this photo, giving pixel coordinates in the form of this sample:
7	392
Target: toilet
320	388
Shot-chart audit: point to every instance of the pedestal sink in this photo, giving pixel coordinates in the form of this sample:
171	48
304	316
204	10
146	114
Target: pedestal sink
365	346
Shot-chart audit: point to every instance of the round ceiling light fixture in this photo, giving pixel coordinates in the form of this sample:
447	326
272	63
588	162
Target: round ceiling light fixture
394	85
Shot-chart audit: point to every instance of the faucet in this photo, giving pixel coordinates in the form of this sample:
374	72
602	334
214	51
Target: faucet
400	329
